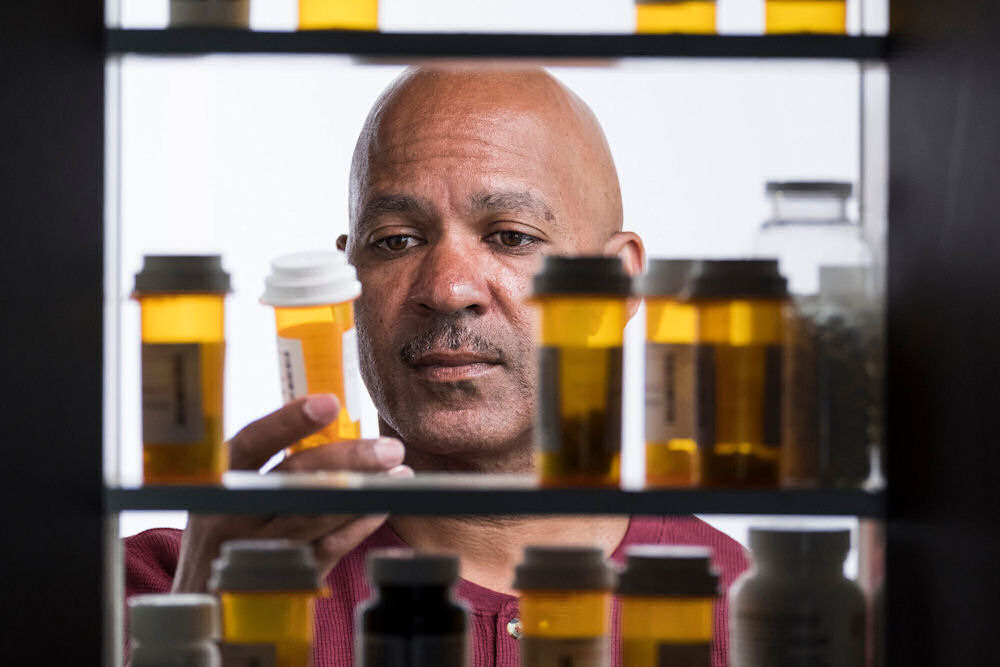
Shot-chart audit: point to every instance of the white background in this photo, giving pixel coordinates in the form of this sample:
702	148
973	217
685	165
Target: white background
248	156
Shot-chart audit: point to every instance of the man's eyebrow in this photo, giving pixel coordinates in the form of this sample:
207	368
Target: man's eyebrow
512	201
392	203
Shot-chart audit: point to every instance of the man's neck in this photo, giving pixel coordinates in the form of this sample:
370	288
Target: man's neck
490	547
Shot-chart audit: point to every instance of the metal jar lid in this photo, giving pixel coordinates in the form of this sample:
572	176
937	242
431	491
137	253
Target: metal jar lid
565	568
265	565
173	618
406	567
667	570
736	279
171	274
810	188
800	543
585	275
665	277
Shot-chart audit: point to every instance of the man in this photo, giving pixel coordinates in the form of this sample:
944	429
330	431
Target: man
461	181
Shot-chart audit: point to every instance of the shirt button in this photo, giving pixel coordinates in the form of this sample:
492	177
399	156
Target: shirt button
514	628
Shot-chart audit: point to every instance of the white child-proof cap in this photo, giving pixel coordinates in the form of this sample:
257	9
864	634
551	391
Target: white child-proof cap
310	279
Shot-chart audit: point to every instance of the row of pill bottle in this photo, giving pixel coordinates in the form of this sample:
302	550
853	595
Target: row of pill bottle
182	302
666	594
313	14
780	16
715	337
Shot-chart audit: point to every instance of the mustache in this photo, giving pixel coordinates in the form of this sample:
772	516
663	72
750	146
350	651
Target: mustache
448	335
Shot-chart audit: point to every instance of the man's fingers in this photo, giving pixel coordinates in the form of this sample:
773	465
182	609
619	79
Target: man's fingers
333	546
357	455
253	446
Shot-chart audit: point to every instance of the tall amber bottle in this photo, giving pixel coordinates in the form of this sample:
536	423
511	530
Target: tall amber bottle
667	594
798	16
583	311
182	301
675	16
672	457
741	308
565	606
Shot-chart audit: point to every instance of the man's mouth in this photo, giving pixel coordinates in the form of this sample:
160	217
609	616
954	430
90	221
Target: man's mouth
453	365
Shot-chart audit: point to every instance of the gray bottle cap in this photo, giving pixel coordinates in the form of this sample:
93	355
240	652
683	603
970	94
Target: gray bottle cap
563	569
800	543
665	277
265	565
595	275
736	279
810	188
405	567
170	274
161	618
667	570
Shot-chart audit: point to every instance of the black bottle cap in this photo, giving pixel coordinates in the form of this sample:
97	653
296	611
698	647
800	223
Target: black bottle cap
563	569
405	567
810	188
665	277
597	275
736	279
667	570
170	274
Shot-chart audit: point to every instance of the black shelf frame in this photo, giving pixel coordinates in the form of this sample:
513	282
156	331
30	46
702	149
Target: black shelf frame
208	499
202	41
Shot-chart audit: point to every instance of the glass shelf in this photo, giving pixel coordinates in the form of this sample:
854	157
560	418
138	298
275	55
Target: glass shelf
192	41
251	493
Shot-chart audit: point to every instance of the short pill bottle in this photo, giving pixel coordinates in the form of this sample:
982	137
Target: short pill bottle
795	606
338	14
209	13
413	619
805	16
173	630
313	297
672	456
267	590
182	304
565	606
667	595
675	16
583	308
741	306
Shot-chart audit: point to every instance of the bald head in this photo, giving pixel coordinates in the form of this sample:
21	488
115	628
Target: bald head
524	114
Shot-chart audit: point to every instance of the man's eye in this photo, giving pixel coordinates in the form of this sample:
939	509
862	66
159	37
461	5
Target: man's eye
396	242
515	239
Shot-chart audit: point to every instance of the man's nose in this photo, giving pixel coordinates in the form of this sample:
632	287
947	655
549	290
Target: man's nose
452	279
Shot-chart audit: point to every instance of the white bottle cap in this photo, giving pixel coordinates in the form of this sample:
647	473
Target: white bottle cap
311	279
178	618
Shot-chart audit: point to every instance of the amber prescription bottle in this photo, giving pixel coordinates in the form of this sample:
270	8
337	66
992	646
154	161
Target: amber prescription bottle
583	311
267	589
741	308
313	297
672	457
796	16
413	620
173	630
182	302
795	606
565	606
675	16
667	594
210	13
338	14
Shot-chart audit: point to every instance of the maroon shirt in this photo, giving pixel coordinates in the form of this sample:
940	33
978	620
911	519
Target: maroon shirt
151	560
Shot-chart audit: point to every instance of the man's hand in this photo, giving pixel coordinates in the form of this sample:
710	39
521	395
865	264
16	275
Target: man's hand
330	536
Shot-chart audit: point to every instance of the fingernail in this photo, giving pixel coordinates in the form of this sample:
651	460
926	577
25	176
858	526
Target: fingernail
321	408
388	451
400	471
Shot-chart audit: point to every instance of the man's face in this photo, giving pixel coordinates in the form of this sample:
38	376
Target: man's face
458	207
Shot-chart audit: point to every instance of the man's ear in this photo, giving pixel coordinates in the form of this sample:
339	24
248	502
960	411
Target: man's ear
628	246
342	242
